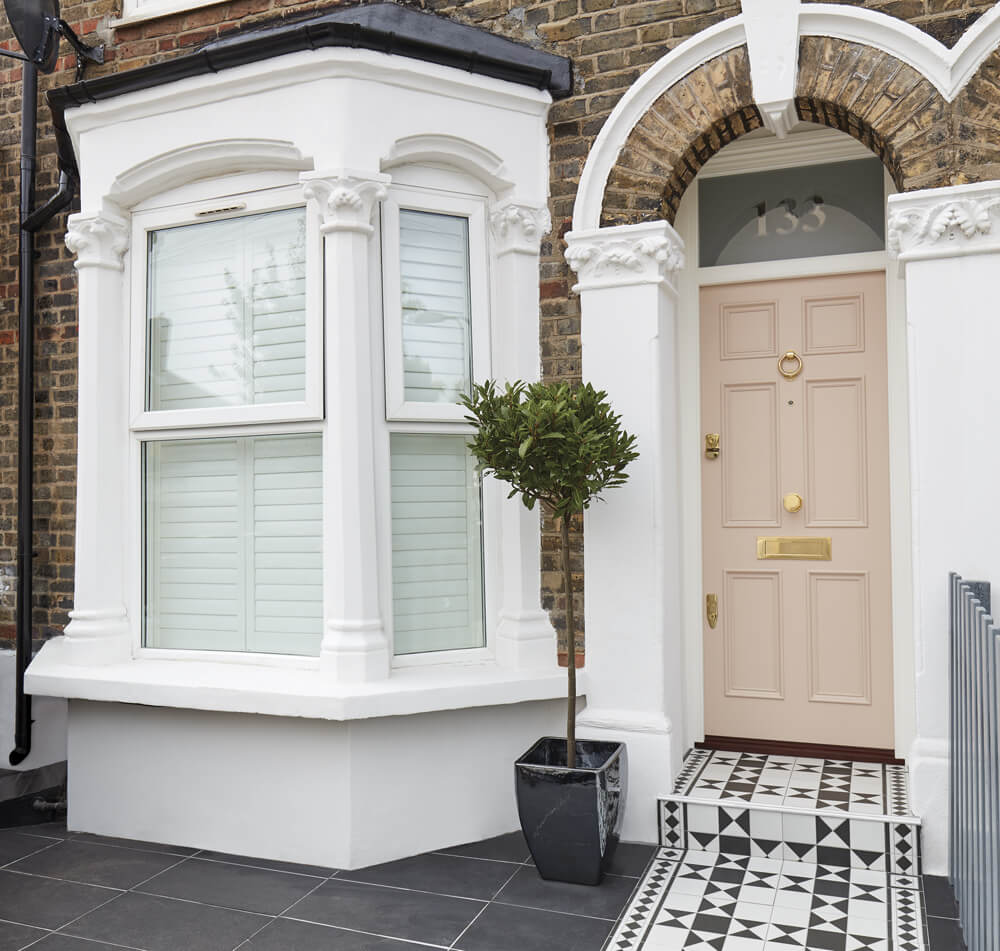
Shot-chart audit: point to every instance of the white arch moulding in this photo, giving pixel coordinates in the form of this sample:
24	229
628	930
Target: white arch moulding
947	69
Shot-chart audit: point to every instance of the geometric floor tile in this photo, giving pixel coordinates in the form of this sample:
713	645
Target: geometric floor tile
711	901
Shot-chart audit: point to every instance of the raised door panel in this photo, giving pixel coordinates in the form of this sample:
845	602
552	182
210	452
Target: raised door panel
839	641
752	632
748	330
833	325
749	458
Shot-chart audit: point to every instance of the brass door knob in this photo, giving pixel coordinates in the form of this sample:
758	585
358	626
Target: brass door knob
792	502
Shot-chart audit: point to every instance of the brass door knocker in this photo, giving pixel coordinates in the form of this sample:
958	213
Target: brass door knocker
787	357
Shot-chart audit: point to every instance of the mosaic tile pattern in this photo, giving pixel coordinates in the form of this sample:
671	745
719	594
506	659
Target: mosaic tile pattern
859	788
709	901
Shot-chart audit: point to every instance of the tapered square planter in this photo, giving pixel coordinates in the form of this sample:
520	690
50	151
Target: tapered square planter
572	817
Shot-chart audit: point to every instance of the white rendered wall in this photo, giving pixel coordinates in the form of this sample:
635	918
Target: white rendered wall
340	794
48	731
947	240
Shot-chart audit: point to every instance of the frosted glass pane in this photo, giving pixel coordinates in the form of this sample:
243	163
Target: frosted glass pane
814	210
234	546
226	313
437	323
437	575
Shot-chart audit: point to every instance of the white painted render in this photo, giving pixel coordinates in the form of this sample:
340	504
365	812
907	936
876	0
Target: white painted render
48	735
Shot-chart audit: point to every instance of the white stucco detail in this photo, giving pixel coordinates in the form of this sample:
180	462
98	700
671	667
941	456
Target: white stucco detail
648	253
772	32
346	200
945	222
452	150
517	227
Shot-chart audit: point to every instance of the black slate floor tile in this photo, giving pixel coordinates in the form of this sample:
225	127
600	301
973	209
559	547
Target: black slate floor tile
631	858
14	845
163	924
232	886
14	937
285	935
441	874
391	912
945	934
319	870
502	848
63	942
530	890
939	898
133	844
505	927
96	864
45	903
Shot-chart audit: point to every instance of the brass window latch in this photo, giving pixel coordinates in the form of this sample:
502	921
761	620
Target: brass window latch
711	445
712	609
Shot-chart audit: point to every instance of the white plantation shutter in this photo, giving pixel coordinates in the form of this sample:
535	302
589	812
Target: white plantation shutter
233	536
436	545
227	312
436	307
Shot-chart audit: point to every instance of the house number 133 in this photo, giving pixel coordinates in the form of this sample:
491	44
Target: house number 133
791	221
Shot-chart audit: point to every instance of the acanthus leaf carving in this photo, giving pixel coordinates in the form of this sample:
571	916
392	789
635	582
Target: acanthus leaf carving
97	240
622	259
931	224
345	200
518	227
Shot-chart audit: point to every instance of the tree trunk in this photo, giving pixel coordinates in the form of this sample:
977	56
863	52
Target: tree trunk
570	649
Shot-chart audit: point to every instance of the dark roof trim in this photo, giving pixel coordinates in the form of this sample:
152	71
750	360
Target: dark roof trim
384	27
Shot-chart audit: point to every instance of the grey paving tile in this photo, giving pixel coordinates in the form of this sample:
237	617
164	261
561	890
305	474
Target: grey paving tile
96	864
163	924
321	870
62	942
503	848
631	858
285	935
134	844
233	886
939	898
46	903
945	934
392	912
14	937
530	890
14	845
505	927
56	829
441	874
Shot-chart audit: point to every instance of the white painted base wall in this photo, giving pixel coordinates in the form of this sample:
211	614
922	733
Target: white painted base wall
341	794
48	733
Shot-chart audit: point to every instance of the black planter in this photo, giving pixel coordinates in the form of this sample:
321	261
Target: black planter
572	817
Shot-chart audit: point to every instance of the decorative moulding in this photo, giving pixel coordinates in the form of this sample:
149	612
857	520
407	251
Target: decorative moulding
944	222
813	146
450	150
204	160
345	198
97	240
648	253
772	28
518	227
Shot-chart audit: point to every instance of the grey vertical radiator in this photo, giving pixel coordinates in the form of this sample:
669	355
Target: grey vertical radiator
975	763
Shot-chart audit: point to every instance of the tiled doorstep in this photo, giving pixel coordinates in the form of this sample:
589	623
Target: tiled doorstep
62	891
708	900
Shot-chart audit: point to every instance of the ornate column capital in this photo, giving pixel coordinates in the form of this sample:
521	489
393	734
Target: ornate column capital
647	253
517	227
346	198
944	222
97	240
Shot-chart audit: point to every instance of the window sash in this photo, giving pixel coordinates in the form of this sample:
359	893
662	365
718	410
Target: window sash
310	406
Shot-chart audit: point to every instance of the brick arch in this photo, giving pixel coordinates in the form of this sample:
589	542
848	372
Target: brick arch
707	109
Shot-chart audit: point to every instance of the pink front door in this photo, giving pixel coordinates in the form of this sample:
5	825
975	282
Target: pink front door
795	511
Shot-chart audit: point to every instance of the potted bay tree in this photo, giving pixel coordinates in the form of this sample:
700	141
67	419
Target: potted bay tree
560	447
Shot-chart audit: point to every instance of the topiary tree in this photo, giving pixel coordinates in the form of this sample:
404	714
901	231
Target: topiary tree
558	445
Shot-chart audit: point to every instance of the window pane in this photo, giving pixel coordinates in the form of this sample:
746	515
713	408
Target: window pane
226	313
233	539
437	574
437	323
803	212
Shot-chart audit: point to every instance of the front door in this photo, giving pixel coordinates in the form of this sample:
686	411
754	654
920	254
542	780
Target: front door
795	511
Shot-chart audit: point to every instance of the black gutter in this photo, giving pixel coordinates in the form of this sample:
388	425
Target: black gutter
382	27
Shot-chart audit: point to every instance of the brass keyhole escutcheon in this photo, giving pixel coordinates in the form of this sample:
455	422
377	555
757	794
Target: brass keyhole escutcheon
792	502
712	609
795	364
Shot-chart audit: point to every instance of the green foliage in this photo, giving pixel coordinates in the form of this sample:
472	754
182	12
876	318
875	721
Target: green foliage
551	442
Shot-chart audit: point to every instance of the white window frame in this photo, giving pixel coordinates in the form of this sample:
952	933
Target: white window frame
436	191
198	211
433	201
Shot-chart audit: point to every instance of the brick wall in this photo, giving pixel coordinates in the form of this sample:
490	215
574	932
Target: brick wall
611	44
945	20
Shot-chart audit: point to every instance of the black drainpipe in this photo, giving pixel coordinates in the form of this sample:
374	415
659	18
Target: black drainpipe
29	224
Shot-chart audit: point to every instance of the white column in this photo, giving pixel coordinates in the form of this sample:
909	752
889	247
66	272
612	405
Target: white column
525	636
98	632
948	242
354	647
632	578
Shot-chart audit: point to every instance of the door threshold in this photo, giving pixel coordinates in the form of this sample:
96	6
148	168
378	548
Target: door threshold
742	744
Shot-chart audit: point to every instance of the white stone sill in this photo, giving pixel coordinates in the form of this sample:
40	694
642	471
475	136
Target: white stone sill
288	692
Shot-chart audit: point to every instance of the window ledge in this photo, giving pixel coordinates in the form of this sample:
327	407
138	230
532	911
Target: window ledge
281	691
